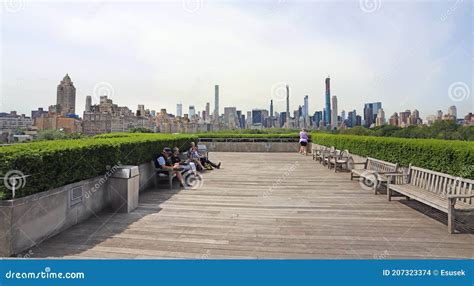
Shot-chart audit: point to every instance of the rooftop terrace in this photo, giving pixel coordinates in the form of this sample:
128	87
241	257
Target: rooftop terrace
265	205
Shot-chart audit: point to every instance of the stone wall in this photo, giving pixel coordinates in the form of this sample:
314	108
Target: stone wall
27	221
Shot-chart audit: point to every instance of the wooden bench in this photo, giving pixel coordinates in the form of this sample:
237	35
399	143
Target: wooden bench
319	154
162	175
340	160
328	155
440	191
375	171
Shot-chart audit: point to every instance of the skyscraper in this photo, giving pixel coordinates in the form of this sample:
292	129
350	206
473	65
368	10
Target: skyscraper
66	96
328	101
192	111
380	120
271	107
287	104
216	102
257	117
88	103
318	117
208	110
230	117
271	113
334	113
306	112
351	118
370	112
179	110
453	112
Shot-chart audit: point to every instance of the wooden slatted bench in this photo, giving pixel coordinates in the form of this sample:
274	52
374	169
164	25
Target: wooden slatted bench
161	175
440	191
341	161
376	171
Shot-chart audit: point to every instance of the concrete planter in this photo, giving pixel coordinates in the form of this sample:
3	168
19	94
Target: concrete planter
27	221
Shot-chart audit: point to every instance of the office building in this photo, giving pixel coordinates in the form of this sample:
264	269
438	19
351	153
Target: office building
179	110
334	113
192	112
380	120
216	103
370	113
66	96
88	103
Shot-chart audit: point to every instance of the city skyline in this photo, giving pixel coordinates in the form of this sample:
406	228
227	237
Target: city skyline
261	62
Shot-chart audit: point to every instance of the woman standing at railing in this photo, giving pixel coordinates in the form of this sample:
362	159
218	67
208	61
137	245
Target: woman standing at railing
303	142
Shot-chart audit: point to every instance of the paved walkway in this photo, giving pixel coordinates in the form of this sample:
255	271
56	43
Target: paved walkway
265	205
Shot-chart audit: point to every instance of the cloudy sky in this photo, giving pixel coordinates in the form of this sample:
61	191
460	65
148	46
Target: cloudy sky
406	54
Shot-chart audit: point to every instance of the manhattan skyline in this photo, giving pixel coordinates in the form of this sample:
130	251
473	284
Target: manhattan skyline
402	54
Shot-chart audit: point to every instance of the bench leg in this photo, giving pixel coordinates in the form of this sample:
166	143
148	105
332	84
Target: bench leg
451	221
170	179
389	194
375	187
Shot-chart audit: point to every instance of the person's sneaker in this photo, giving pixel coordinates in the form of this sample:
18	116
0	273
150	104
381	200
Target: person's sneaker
219	165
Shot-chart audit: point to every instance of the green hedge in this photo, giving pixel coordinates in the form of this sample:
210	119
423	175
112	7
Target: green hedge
450	157
52	164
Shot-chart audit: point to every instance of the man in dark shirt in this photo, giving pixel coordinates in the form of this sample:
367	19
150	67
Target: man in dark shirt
165	163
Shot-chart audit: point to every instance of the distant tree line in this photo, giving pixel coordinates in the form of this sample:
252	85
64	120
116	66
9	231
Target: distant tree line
443	129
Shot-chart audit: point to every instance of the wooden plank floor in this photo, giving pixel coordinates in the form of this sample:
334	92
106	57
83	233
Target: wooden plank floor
265	205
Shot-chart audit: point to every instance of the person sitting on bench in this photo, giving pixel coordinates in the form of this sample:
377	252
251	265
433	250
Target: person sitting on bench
185	165
165	163
194	153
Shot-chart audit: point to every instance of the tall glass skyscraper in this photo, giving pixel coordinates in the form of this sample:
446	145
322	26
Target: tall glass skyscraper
305	112
328	102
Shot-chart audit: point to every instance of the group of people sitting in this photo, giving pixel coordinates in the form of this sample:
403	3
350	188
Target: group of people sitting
171	160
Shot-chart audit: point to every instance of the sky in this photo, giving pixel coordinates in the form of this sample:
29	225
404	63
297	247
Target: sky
405	54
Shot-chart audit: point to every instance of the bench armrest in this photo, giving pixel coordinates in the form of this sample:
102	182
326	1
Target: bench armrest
396	174
359	163
460	196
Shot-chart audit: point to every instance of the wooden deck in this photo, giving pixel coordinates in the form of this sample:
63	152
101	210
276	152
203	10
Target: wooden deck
265	205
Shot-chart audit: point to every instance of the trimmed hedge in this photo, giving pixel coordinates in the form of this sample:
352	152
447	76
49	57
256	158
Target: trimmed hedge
450	157
51	164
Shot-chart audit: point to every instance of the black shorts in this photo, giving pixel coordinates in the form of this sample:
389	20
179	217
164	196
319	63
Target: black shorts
303	143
